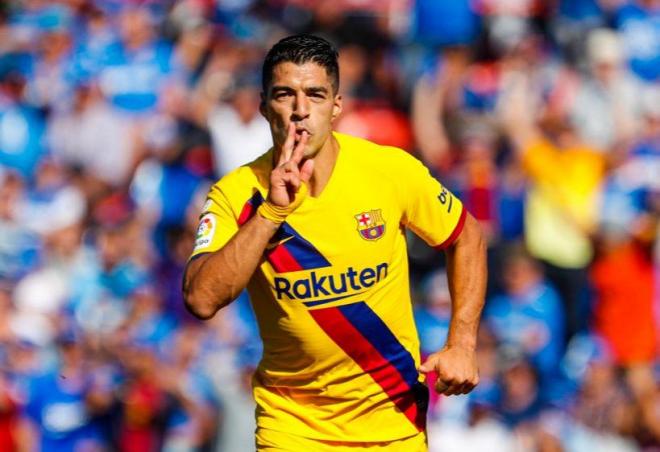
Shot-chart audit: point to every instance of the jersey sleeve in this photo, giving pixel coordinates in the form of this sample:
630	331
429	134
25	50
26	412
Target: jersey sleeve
217	223
429	209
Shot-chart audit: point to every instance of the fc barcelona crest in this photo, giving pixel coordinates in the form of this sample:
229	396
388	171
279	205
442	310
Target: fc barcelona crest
370	225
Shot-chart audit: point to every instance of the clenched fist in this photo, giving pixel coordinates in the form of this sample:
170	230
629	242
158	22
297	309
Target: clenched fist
456	368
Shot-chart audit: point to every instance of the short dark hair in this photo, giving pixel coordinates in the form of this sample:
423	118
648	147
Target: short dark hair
301	49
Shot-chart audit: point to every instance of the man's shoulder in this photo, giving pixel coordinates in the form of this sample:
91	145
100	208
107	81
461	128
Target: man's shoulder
375	154
246	178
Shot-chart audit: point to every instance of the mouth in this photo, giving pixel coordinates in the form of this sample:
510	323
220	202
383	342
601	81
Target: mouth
299	133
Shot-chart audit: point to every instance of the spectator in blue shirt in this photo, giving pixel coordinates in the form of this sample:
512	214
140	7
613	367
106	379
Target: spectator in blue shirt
21	126
432	317
135	67
529	314
63	402
639	24
445	23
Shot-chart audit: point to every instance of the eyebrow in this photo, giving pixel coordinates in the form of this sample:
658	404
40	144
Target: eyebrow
280	88
312	89
317	89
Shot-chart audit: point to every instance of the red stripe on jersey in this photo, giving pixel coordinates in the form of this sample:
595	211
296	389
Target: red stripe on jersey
282	260
246	213
250	208
454	235
349	339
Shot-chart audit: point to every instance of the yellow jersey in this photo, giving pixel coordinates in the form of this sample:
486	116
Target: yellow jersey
331	295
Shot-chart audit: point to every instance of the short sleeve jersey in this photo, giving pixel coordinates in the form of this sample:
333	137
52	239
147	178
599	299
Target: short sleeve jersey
331	294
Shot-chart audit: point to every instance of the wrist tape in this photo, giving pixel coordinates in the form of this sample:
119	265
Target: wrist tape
278	214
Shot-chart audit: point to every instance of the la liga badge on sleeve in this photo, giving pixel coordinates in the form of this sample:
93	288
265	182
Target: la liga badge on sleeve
205	231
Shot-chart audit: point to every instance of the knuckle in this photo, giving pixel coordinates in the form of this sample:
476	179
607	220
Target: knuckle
444	379
442	371
454	378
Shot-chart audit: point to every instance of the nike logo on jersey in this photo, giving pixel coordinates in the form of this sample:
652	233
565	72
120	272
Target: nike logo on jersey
270	246
289	251
446	198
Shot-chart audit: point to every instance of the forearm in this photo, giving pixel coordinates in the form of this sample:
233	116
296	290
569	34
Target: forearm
466	272
214	280
427	122
516	112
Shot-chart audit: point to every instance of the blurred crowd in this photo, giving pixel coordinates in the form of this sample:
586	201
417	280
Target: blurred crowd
116	116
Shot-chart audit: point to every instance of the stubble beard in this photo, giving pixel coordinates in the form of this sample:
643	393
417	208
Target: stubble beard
311	150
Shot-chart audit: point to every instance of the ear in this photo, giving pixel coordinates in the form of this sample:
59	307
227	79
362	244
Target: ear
337	106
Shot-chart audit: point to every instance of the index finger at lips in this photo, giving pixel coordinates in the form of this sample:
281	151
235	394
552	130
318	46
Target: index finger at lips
287	147
299	151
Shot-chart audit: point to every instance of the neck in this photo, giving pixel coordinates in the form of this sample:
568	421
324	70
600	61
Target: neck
324	164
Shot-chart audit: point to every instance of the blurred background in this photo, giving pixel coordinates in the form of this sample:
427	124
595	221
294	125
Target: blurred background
116	116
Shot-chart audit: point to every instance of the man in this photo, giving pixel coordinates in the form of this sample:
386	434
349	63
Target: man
315	229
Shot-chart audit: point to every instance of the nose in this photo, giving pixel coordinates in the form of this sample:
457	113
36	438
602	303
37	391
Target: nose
300	107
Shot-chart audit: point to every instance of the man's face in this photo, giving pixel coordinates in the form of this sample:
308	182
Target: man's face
303	95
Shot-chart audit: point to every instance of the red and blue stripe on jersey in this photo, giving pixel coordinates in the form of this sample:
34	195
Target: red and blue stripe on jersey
355	328
359	332
287	251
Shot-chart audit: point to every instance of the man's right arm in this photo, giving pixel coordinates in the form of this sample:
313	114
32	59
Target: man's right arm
213	280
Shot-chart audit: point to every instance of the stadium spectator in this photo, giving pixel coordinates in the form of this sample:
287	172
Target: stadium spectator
21	124
528	315
561	207
144	403
238	130
92	138
607	105
62	403
638	25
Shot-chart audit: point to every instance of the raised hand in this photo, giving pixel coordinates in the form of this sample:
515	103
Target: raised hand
288	174
288	180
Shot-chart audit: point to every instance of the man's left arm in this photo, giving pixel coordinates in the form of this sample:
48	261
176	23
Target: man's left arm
456	363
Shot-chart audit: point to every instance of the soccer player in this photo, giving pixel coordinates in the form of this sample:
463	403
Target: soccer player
314	228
